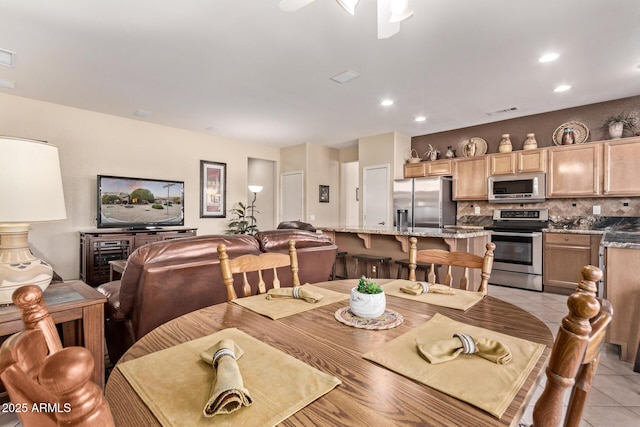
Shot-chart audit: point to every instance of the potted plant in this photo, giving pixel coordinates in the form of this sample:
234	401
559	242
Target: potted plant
618	123
367	299
242	221
432	153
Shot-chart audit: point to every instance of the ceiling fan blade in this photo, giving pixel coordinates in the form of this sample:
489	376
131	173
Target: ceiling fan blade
293	5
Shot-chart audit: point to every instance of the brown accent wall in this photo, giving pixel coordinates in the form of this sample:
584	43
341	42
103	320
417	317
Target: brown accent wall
543	125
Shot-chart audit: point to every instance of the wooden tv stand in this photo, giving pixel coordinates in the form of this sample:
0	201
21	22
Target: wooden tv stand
98	247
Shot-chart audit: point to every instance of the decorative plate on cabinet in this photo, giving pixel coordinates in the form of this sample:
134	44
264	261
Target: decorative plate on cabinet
481	147
580	131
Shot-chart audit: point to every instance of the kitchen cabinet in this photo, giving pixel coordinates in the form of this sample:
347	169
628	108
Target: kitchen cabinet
622	289
621	172
574	171
470	178
563	257
415	170
434	168
440	168
517	162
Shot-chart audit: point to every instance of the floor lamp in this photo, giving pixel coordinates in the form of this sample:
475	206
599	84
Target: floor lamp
31	191
255	189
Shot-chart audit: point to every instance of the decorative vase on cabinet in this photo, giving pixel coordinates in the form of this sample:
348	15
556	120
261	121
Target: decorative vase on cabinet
530	142
505	145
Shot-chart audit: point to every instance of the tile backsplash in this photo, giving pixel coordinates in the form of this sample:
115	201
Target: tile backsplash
610	206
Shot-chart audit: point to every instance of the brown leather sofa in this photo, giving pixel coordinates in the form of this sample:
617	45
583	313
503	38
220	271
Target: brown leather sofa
164	280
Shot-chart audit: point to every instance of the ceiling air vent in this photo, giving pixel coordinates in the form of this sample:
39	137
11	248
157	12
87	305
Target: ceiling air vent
506	110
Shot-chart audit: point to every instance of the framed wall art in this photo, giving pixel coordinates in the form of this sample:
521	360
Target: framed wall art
213	189
324	194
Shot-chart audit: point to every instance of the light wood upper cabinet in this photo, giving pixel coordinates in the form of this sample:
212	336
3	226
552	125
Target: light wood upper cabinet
415	170
574	171
621	167
532	161
440	168
434	168
470	178
517	162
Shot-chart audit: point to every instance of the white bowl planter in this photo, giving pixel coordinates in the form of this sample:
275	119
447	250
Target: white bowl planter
367	305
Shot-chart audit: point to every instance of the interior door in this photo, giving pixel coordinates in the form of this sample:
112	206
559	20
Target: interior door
375	188
292	198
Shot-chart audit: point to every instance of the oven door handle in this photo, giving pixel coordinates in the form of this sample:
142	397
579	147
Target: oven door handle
504	233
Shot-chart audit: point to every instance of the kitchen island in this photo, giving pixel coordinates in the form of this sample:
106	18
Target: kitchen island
394	243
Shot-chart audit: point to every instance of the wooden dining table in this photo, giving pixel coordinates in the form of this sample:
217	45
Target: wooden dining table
369	394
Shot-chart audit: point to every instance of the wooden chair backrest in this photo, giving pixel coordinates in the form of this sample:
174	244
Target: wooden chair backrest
452	259
575	354
52	384
245	264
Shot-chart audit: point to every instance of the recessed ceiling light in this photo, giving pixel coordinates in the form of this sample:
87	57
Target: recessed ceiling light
420	119
386	102
562	88
142	113
548	57
345	76
7	84
7	57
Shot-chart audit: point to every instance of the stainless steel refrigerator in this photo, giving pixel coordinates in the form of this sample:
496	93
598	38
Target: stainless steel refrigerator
423	202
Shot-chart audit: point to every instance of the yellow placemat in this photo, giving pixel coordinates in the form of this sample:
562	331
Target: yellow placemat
277	308
175	383
472	379
462	300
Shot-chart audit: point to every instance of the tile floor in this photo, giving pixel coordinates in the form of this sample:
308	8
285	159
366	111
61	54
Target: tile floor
614	399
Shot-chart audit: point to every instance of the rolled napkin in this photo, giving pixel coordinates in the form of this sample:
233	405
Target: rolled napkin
446	350
297	292
418	288
227	391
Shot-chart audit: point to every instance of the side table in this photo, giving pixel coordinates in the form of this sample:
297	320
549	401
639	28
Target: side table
80	310
116	266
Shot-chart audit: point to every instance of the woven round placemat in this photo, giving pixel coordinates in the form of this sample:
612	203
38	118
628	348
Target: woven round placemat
389	319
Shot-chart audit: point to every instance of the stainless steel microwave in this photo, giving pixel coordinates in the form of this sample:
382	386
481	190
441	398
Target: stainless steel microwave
518	188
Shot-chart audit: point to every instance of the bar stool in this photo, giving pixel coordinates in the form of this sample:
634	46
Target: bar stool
342	258
379	264
404	264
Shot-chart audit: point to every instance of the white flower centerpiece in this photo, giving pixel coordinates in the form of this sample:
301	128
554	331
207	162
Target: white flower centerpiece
367	299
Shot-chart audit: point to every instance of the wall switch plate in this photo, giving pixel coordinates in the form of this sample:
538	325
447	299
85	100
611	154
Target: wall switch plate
596	210
476	210
312	217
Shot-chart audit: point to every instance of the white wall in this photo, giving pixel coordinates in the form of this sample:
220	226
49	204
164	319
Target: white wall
264	173
93	143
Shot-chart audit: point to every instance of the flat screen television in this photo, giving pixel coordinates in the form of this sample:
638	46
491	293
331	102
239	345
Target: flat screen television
139	203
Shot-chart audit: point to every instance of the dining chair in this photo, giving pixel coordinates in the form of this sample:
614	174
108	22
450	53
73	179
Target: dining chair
449	259
575	354
250	265
49	385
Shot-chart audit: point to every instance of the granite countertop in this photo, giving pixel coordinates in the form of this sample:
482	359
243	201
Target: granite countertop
573	230
621	239
449	233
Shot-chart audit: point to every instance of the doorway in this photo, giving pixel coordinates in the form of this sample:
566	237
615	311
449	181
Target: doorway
375	193
292	196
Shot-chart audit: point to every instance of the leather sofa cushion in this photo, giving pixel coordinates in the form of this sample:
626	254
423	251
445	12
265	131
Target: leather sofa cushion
278	240
296	225
175	252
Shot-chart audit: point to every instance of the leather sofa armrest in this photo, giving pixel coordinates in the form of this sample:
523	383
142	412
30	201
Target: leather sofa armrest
112	307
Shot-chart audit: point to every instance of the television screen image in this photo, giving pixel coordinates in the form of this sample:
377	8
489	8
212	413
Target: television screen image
125	202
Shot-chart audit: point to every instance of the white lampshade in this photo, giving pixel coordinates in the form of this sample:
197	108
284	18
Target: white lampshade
255	188
400	10
30	191
349	5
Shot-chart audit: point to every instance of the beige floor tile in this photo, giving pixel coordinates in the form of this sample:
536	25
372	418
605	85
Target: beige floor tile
609	416
618	388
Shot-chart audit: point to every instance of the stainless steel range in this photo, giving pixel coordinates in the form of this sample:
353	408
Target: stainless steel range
517	234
